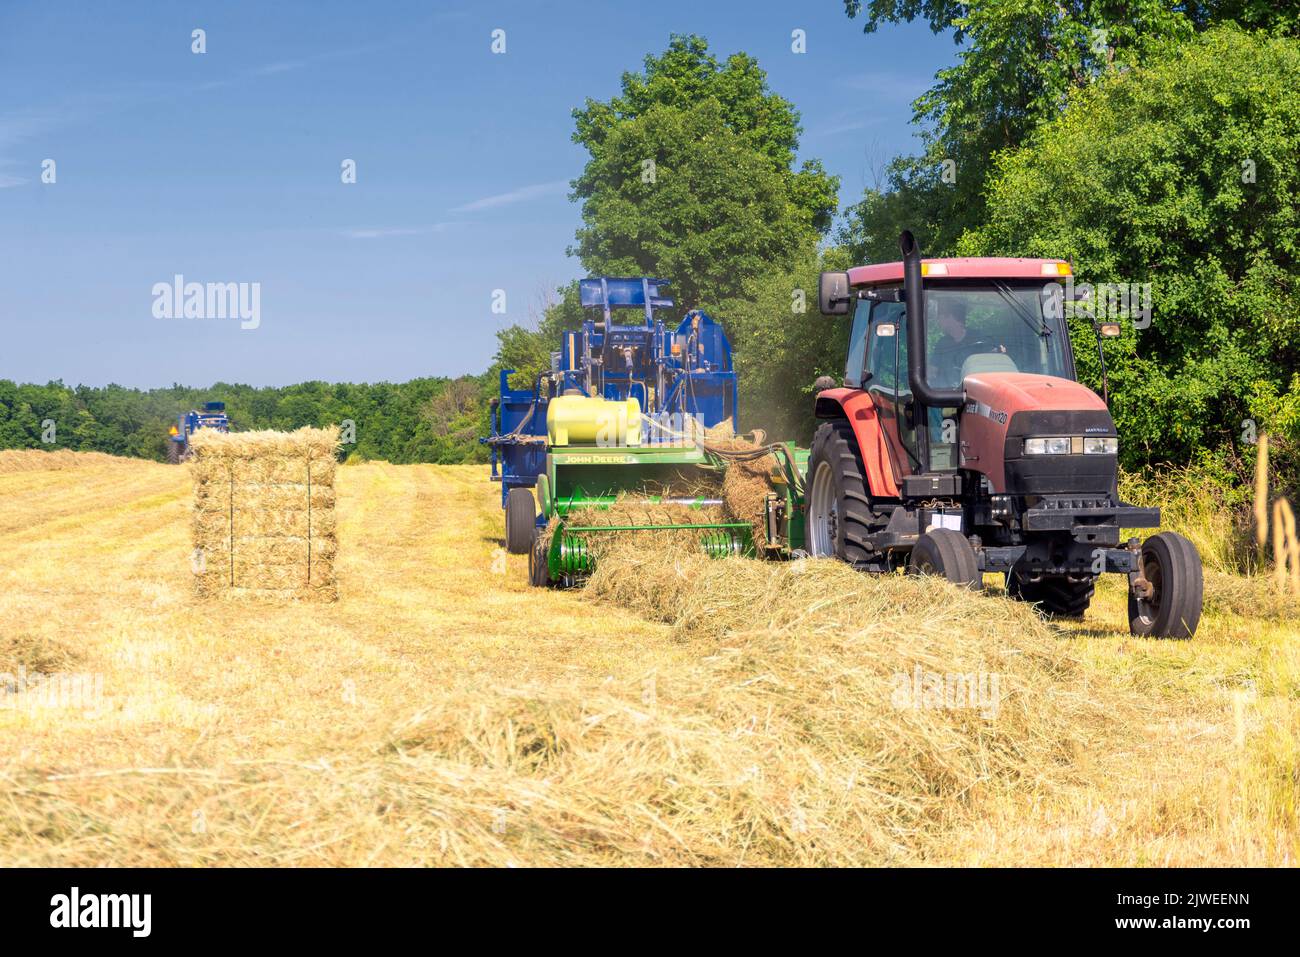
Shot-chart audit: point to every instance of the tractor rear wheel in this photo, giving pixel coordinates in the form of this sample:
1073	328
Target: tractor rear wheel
173	452
1055	595
944	552
839	512
521	521
1172	567
539	572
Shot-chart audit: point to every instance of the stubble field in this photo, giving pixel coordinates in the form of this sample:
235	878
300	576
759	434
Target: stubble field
442	712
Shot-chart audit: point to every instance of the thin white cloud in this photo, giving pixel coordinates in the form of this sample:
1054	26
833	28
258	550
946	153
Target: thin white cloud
385	232
288	66
887	86
270	69
17	128
282	67
521	195
835	129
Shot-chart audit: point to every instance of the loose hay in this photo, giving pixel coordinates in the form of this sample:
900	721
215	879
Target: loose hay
567	731
823	665
263	520
41	460
747	482
631	510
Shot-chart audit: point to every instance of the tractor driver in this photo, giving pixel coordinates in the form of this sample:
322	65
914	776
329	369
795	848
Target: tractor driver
947	355
955	344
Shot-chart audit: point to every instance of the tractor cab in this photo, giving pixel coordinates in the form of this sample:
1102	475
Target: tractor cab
981	317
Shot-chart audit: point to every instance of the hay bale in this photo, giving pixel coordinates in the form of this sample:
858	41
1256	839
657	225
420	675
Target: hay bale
263	520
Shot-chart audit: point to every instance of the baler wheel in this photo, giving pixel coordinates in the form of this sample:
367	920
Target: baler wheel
946	553
839	511
539	572
521	521
1056	596
1172	566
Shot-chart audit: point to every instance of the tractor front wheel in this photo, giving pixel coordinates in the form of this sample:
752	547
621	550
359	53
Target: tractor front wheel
521	521
945	553
839	513
1055	595
1175	585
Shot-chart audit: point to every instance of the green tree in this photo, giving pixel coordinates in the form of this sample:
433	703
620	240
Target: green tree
1018	64
783	343
692	176
1182	174
393	421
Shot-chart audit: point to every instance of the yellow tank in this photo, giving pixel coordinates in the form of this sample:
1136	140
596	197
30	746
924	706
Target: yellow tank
581	420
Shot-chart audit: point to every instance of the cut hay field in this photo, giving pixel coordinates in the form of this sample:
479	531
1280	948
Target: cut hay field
723	713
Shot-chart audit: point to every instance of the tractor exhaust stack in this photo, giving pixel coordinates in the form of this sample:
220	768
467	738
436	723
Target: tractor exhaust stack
914	296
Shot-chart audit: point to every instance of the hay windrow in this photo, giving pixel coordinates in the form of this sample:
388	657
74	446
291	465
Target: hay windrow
35	653
263	522
41	460
851	677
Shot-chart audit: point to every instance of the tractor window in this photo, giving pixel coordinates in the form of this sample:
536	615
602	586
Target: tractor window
992	326
885	357
890	389
857	345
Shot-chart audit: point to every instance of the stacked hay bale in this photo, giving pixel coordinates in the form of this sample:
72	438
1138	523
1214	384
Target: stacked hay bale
264	514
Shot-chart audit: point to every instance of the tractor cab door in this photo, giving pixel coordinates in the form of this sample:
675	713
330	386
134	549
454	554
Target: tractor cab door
887	383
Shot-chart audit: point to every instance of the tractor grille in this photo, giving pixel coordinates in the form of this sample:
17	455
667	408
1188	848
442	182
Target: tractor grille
1072	503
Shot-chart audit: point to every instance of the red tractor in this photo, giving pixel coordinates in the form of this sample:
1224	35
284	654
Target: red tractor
961	443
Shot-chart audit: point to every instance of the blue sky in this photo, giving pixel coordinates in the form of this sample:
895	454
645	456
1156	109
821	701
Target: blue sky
225	167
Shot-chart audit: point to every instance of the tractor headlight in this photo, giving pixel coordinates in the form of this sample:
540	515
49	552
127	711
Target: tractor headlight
1101	446
1056	446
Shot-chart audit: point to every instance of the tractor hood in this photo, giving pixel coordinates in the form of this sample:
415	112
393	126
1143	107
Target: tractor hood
1004	409
1012	392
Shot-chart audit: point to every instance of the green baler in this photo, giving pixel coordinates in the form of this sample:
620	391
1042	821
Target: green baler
592	478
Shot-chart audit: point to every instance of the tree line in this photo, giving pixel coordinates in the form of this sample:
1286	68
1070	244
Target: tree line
424	420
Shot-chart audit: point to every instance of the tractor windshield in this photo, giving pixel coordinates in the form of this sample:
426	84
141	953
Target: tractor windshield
991	326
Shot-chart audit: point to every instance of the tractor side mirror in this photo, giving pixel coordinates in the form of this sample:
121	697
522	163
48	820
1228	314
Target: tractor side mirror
1108	330
833	296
